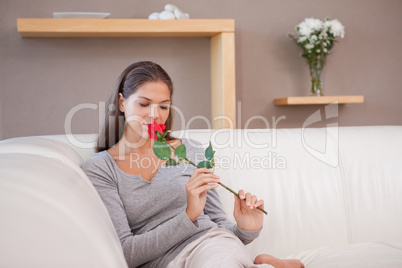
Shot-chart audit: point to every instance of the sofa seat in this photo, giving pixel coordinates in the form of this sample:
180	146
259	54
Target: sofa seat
367	255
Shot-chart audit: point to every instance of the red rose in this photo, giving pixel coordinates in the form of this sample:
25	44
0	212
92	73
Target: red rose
152	128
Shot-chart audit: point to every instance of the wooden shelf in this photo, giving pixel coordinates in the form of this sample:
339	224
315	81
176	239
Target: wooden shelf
81	28
220	31
313	100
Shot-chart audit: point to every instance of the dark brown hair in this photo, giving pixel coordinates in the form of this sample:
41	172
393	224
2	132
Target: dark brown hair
128	82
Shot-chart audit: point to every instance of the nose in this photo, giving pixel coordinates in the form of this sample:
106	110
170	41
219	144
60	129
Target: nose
154	111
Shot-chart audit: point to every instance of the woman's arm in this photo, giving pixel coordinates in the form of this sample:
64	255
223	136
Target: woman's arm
138	249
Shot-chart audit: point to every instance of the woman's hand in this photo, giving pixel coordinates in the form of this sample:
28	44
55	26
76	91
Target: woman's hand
197	188
246	214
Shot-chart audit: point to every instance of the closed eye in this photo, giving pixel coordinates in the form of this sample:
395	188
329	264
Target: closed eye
164	107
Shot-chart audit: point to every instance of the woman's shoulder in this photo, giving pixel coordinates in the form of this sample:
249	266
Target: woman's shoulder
99	169
96	160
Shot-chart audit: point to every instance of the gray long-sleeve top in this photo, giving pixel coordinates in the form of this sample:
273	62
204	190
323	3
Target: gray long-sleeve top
150	216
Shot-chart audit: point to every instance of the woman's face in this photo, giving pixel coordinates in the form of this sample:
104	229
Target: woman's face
150	101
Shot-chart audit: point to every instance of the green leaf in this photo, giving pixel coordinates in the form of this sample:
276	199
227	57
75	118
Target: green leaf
162	150
164	134
180	152
161	137
213	160
171	162
209	152
204	164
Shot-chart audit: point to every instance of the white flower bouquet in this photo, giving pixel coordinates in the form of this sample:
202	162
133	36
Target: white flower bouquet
316	38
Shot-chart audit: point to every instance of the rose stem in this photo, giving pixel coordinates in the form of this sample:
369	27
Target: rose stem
236	194
221	184
230	190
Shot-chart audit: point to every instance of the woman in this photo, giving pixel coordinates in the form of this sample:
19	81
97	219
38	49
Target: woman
166	216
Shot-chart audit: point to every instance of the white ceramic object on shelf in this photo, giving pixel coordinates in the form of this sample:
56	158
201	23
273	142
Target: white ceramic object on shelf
166	15
170	7
180	15
80	15
171	12
154	16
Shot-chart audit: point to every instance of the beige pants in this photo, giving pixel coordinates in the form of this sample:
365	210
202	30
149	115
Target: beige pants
218	248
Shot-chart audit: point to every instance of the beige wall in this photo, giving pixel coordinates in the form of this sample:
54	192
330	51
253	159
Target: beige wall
41	80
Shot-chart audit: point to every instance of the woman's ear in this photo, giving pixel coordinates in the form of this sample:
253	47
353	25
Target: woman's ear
121	103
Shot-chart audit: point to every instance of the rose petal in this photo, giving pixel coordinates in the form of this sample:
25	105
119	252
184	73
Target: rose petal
155	127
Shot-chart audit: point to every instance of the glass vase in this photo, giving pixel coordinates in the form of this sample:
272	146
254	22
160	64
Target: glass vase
316	85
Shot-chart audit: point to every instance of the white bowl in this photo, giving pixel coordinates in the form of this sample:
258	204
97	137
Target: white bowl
80	15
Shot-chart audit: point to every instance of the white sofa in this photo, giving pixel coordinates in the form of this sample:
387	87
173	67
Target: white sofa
333	196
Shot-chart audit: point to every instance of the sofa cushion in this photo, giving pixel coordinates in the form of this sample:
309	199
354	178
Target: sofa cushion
83	144
42	146
371	165
50	217
367	255
49	147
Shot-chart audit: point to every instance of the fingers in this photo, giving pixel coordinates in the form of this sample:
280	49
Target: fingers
197	191
241	195
202	180
259	204
251	201
199	171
